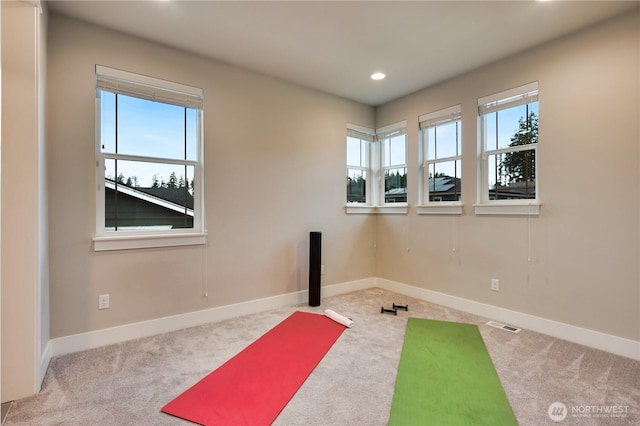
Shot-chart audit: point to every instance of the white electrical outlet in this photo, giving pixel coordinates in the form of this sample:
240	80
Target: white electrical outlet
103	301
495	284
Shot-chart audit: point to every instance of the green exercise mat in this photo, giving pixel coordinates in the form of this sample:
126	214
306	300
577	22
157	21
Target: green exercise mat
446	377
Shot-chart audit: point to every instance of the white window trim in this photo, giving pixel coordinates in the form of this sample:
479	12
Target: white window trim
508	207
441	207
375	180
169	92
506	99
140	241
391	208
426	207
359	208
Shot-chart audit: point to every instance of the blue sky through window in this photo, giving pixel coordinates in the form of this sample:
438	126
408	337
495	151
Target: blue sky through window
148	129
443	141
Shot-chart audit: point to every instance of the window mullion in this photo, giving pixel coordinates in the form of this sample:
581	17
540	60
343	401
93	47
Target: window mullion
435	142
443	159
495	166
145	159
185	189
458	153
357	168
510	149
115	195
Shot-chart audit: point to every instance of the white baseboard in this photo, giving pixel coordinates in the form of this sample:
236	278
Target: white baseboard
45	359
347	287
108	336
93	339
595	339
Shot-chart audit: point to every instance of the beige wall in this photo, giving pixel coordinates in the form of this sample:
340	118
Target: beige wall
24	262
585	243
283	145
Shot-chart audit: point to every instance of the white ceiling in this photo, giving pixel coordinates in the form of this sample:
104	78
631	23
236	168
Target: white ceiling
335	46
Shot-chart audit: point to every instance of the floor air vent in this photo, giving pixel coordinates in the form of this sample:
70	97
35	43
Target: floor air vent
504	327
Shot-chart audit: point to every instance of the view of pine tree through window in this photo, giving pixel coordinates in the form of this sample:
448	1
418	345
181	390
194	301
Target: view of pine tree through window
520	166
357	167
513	173
510	142
377	165
149	149
147	194
394	164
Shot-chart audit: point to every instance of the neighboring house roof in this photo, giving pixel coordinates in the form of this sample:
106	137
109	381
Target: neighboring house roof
396	191
168	198
443	183
174	195
517	190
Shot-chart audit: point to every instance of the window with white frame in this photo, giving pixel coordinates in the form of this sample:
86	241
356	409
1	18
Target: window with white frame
359	141
508	144
148	157
441	155
376	169
393	163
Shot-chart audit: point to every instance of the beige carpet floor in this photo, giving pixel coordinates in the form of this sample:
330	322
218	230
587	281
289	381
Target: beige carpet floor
128	383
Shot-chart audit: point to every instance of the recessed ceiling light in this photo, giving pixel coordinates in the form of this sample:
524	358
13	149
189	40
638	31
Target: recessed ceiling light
377	76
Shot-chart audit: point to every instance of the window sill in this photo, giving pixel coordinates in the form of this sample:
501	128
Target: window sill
528	209
451	208
395	208
129	242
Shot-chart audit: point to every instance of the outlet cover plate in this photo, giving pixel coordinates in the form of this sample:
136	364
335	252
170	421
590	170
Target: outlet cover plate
495	284
103	301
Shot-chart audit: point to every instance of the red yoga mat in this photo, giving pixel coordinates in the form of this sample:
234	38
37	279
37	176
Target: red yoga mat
255	385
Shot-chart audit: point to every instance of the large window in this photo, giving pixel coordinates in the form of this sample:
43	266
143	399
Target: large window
509	144
441	156
376	169
149	156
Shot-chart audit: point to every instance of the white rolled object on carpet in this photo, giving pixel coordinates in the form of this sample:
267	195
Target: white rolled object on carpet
339	318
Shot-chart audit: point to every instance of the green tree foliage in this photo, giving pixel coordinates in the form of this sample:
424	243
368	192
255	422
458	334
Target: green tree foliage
395	180
356	189
173	181
157	181
438	174
521	166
